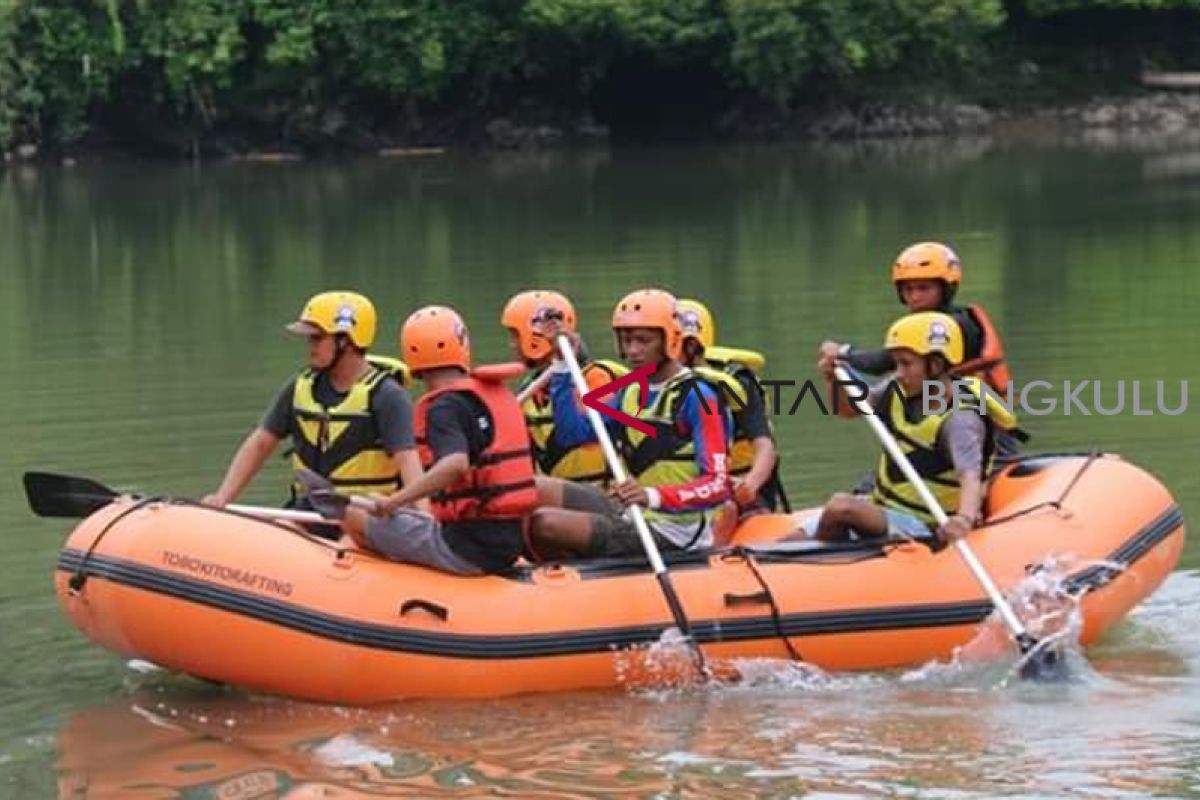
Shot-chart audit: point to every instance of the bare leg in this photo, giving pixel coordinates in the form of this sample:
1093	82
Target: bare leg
845	512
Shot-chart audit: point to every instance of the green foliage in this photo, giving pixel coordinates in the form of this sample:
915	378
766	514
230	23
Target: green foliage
195	45
1047	7
779	44
198	64
59	58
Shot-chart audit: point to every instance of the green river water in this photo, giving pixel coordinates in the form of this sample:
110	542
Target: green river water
141	311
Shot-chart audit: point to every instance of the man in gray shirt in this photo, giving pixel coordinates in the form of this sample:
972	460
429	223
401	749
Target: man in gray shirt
347	415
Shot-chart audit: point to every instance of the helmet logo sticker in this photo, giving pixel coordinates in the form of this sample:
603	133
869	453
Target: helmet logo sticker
689	320
544	314
939	336
344	320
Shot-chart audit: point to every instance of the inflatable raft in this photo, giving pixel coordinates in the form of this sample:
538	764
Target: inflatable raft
265	606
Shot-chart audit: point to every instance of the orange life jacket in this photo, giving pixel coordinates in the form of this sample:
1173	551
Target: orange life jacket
500	483
990	365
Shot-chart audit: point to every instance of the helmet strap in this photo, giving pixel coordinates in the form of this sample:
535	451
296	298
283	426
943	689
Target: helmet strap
340	344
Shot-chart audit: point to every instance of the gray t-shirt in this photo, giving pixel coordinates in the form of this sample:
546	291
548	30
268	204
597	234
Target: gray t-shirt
961	437
391	406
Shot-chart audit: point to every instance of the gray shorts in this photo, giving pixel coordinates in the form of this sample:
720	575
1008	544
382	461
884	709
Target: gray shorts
416	538
900	525
613	534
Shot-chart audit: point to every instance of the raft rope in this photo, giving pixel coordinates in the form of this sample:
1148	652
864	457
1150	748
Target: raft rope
1056	504
748	558
79	578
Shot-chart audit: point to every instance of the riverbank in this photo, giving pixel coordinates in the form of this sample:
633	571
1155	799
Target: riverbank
1151	114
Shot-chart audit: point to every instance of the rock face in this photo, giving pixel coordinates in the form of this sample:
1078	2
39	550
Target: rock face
880	121
505	134
1167	112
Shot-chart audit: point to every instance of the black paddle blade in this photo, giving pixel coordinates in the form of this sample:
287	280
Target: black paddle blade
53	495
1042	662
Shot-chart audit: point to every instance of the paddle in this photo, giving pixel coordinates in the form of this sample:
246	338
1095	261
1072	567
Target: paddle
1039	662
639	521
52	495
537	383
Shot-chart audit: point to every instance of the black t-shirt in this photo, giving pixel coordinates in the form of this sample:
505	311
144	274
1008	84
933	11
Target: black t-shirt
459	422
391	408
752	418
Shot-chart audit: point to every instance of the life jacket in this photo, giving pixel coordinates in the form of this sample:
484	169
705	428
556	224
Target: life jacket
499	484
735	376
668	458
582	463
341	442
918	440
721	357
990	365
394	366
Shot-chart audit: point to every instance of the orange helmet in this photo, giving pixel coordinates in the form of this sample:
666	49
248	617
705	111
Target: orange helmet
651	308
932	261
435	336
525	314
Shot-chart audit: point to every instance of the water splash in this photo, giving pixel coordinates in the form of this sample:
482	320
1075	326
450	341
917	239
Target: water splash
664	664
347	750
1049	607
797	676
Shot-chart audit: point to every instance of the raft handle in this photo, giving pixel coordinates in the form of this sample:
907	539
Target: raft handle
417	604
755	599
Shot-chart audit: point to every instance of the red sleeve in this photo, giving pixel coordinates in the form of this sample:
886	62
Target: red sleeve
708	430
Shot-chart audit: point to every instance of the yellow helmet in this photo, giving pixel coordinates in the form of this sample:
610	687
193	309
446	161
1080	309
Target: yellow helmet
696	322
925	333
338	312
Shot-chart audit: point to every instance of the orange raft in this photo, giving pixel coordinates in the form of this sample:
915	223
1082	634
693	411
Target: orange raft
266	607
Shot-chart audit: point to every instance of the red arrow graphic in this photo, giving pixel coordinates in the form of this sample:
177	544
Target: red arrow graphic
640	376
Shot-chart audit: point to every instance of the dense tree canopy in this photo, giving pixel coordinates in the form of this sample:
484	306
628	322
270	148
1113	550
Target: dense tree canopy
185	68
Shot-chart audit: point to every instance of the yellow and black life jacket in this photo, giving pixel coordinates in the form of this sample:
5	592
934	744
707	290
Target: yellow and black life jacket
397	368
582	463
342	442
667	458
918	440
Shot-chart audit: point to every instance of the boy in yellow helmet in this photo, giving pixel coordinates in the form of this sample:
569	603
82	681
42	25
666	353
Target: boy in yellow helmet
951	450
349	417
753	462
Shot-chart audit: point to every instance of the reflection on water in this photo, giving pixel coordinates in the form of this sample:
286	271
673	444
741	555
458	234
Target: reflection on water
1126	726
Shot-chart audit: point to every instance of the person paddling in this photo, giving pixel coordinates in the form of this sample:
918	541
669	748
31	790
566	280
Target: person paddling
680	475
951	450
927	276
528	316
